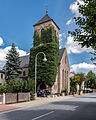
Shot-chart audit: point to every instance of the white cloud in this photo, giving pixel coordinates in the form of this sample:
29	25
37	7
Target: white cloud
62	36
4	51
74	47
84	66
74	7
69	22
1	41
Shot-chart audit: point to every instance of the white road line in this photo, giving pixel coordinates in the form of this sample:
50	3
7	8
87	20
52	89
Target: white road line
43	115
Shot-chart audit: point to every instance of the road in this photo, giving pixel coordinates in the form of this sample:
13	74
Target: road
77	108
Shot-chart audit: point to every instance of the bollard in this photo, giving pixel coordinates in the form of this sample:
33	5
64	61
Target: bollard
3	98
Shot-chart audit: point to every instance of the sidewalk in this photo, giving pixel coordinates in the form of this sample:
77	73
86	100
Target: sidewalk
7	108
38	101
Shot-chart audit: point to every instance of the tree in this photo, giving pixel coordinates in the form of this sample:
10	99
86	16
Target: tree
91	80
4	88
16	85
73	84
86	33
12	64
80	77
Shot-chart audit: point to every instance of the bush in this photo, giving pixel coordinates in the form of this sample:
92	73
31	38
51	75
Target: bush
4	88
32	97
65	91
16	85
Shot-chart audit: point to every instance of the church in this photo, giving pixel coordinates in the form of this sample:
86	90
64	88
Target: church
62	78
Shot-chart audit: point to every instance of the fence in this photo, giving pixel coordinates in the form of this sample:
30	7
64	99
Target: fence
14	97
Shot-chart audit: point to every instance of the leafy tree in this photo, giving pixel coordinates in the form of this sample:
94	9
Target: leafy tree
12	64
91	80
86	33
73	84
80	77
16	85
4	88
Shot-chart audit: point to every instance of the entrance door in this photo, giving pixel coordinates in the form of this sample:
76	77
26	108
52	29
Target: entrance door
42	86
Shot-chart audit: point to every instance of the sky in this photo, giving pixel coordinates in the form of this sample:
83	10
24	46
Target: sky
17	18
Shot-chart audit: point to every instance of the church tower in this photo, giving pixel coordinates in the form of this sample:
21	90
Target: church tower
46	39
45	23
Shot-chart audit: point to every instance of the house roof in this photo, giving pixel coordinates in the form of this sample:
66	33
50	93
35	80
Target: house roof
46	18
25	59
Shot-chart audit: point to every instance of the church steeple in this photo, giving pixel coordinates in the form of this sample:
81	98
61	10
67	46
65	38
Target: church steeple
45	23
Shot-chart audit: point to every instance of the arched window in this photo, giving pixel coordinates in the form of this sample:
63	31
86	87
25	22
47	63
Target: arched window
1	76
63	79
42	34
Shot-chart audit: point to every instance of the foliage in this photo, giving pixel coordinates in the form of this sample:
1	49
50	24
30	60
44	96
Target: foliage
31	85
12	64
16	85
73	84
64	91
80	77
4	88
86	33
91	80
46	71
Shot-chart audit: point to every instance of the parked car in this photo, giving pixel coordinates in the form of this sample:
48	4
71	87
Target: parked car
43	93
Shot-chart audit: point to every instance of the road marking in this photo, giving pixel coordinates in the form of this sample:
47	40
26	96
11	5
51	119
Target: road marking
43	115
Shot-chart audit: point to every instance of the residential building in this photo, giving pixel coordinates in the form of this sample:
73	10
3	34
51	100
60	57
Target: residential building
2	77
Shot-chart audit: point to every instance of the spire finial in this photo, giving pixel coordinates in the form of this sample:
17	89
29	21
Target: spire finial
47	9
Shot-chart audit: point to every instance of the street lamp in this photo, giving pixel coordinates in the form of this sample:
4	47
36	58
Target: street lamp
44	59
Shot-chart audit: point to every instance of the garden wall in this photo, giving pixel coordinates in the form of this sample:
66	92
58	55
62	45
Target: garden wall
14	97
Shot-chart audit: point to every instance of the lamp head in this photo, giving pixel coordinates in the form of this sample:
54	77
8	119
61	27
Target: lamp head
45	59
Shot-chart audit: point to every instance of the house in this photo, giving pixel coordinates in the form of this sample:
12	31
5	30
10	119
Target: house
2	76
62	78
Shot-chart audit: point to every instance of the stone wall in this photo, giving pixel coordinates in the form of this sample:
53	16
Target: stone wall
45	26
23	97
26	72
64	72
10	98
14	97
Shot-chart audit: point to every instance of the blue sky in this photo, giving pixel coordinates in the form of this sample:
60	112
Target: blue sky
17	18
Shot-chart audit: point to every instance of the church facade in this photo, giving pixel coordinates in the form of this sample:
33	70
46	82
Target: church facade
62	79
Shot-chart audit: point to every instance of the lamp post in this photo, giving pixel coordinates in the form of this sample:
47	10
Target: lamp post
45	59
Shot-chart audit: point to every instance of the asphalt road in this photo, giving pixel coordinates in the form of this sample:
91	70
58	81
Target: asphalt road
79	108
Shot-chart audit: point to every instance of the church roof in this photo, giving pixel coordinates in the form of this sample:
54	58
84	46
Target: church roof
25	59
62	50
46	18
